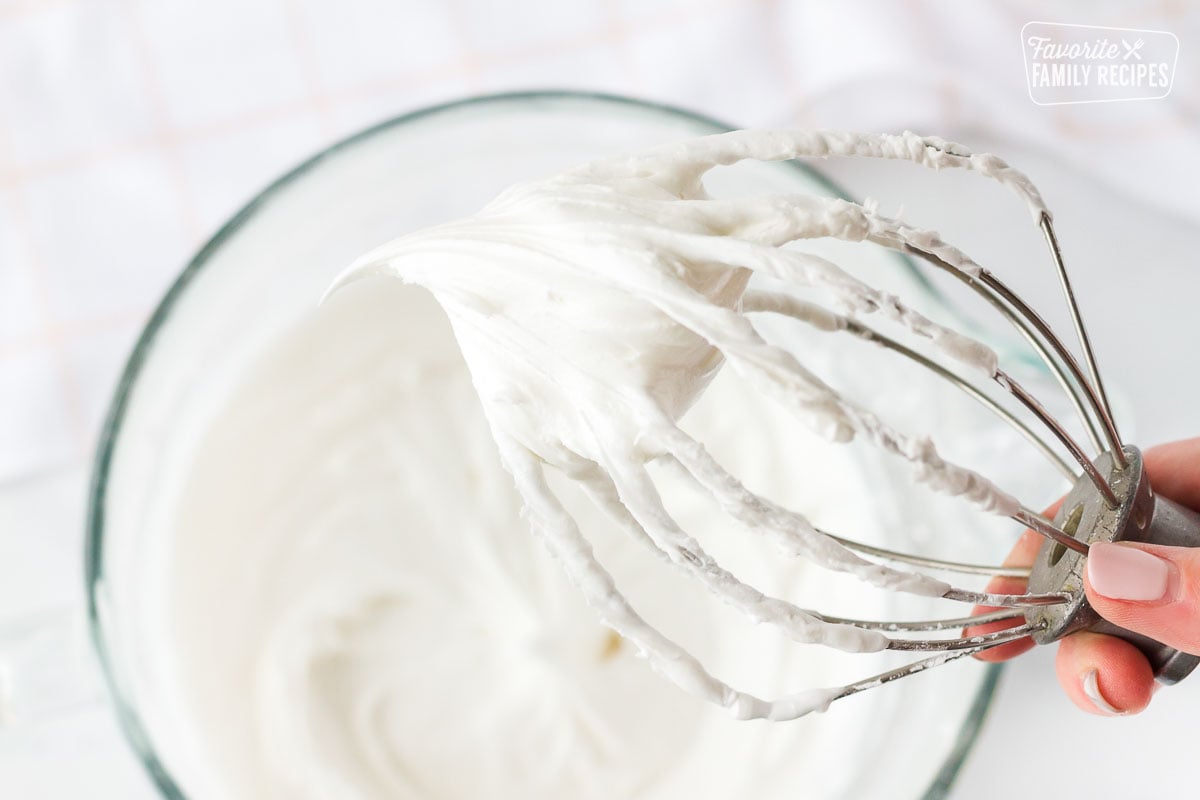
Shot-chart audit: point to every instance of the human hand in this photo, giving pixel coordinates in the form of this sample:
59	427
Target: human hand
1151	589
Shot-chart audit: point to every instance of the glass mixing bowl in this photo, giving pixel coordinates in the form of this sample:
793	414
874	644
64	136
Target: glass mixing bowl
229	303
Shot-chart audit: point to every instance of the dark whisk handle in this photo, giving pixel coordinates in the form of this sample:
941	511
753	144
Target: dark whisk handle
1140	516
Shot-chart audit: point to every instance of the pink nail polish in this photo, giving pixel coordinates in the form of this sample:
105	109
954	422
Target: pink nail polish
1126	573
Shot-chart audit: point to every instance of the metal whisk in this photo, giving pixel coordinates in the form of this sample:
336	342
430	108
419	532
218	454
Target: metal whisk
692	256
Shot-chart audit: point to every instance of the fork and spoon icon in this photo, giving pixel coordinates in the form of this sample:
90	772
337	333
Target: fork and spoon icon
1132	49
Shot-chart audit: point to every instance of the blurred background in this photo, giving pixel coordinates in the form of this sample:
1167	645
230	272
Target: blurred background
129	131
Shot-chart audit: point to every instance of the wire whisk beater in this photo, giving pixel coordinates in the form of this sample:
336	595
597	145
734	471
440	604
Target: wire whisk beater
594	306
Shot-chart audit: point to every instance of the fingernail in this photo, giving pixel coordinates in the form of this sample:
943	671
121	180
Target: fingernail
1091	688
1127	573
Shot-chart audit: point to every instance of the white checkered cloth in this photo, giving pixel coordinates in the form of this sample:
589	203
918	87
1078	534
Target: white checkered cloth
129	131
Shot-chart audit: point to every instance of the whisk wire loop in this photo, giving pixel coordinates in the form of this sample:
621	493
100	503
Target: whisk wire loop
1026	330
1104	410
786	305
687	260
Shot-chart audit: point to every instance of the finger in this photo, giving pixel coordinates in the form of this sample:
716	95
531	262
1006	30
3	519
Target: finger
1103	674
1026	548
1004	651
1022	555
1174	471
1150	589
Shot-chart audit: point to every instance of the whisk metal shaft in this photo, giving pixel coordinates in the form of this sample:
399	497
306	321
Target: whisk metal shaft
1028	433
1105	410
776	303
1039	524
1038	410
782	304
960	642
1026	330
1007	600
952	623
926	562
1098	408
915	667
1095	388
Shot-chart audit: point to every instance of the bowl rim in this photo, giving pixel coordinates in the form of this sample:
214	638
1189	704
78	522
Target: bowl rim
128	717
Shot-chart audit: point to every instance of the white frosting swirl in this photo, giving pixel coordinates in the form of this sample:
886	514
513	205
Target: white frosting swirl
593	306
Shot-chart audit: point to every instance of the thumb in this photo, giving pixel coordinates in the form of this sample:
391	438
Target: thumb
1149	589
